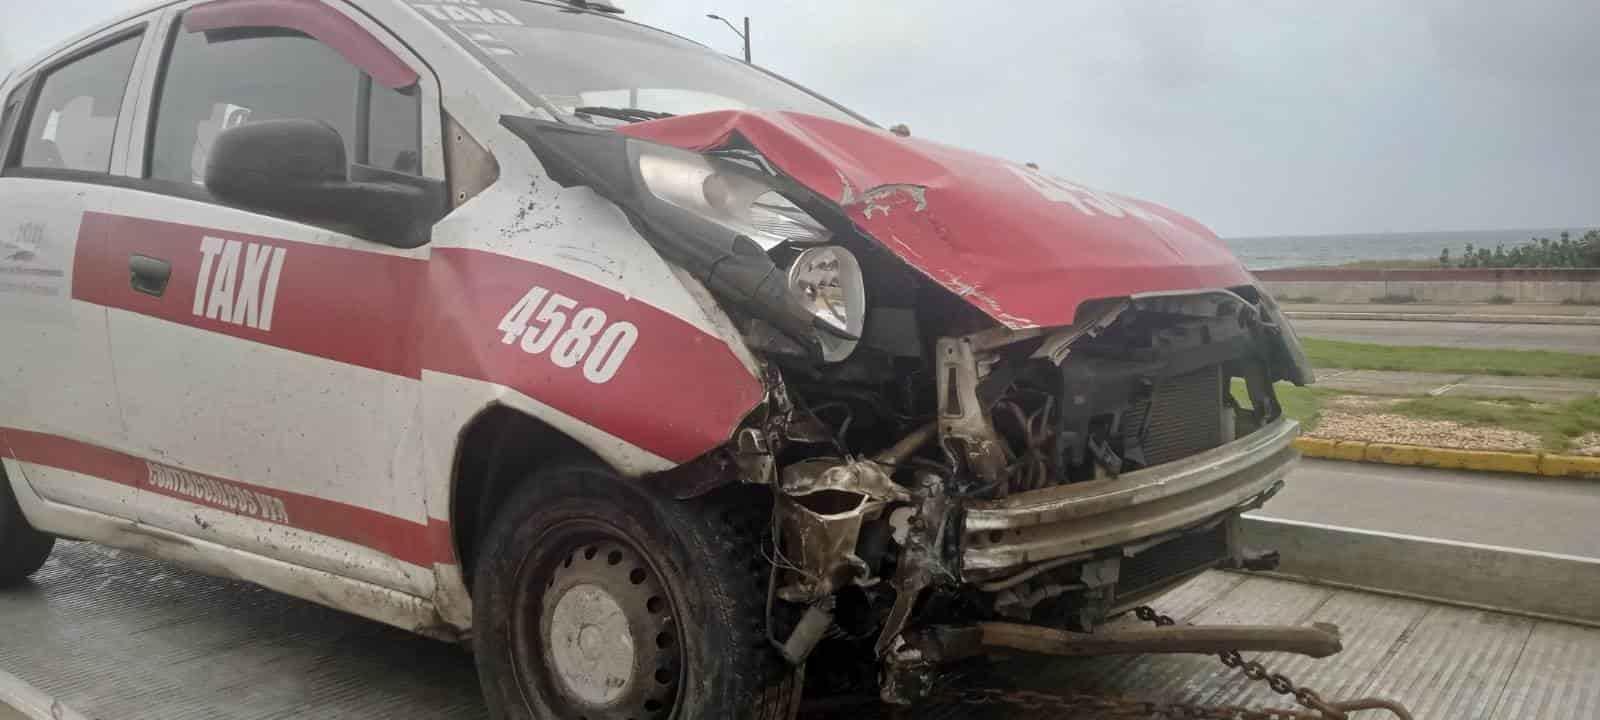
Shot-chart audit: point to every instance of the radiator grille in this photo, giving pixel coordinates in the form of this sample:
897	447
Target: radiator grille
1185	415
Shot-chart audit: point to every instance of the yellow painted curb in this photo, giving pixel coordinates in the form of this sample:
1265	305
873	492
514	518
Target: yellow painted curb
1570	466
1482	460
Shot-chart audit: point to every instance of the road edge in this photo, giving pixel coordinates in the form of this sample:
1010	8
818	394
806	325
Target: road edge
1540	464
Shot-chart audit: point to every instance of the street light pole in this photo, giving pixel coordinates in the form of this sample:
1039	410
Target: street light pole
745	36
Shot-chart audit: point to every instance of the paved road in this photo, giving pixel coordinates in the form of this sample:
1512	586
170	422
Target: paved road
1385	382
1544	514
1564	338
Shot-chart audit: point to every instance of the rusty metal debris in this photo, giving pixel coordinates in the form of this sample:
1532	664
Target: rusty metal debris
820	510
964	424
1281	683
956	642
912	667
1088	706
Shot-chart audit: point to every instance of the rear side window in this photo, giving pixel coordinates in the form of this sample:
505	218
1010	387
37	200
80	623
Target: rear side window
74	116
218	79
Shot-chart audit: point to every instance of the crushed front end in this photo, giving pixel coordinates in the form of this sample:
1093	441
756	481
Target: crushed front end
1045	477
994	399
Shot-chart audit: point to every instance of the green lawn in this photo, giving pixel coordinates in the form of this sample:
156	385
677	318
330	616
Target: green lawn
1367	356
1300	403
1557	425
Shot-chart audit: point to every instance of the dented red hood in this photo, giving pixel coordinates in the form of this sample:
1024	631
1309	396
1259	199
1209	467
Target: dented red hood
1023	247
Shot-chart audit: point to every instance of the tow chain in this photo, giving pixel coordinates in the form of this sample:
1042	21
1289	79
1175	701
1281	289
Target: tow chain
1086	706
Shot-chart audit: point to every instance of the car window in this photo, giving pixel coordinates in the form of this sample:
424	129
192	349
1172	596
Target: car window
8	113
218	79
74	118
395	129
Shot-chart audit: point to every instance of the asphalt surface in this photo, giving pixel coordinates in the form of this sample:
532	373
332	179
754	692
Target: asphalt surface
1562	338
1544	514
1386	382
1511	311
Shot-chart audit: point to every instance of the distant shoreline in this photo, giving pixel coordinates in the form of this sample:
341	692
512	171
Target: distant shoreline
1378	251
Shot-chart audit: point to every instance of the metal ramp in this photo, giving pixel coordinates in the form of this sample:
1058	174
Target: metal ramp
121	637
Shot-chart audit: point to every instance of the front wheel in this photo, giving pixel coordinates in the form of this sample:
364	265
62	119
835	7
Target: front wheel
594	598
22	548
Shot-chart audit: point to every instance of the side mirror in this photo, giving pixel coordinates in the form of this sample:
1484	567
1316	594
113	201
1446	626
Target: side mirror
297	168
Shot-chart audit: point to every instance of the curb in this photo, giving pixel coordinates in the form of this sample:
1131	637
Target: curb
1445	317
1542	464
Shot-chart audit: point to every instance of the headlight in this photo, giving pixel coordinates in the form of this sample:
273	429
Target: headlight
722	191
827	280
824	279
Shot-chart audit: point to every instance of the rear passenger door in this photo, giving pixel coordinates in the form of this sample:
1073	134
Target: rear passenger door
273	382
59	422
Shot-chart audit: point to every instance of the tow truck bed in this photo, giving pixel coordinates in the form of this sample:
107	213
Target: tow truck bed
122	637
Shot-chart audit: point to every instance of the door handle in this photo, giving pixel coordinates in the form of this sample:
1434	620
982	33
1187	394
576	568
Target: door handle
149	275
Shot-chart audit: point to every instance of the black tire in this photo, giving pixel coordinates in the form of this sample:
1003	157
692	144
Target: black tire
688	578
23	549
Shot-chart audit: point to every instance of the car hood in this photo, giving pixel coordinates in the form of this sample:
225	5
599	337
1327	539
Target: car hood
1023	247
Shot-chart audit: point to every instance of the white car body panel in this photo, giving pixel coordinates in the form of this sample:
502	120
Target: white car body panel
294	466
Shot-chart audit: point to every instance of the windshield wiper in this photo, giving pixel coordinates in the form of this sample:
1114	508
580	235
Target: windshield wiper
623	114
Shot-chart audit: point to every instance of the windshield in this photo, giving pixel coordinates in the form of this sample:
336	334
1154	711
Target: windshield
565	59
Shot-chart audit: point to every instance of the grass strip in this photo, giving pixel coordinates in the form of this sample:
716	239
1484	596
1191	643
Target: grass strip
1419	358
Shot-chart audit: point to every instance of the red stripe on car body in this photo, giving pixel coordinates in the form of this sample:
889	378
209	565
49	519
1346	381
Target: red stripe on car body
407	540
344	305
679	392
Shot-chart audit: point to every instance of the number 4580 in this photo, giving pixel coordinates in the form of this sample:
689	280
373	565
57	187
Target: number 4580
540	319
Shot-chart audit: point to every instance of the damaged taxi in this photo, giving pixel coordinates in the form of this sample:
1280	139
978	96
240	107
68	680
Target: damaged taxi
655	376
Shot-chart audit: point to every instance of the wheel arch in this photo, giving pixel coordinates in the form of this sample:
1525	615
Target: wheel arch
500	446
503	445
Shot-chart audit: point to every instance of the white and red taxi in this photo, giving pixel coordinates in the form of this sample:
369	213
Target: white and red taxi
647	371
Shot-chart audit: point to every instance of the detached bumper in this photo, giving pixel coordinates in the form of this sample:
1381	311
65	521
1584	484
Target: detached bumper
1008	535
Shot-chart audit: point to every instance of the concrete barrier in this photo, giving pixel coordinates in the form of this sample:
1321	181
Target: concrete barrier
1523	582
1523	285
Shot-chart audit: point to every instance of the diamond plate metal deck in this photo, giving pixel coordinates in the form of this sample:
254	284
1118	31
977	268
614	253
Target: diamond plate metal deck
121	637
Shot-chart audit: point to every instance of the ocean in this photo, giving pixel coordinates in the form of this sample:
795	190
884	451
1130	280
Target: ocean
1281	251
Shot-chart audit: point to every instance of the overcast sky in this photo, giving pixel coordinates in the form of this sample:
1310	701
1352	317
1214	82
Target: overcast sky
1256	117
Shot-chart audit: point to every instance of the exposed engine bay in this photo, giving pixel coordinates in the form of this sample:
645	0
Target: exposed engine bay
936	458
878	459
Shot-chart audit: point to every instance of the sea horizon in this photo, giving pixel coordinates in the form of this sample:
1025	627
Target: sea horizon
1268	252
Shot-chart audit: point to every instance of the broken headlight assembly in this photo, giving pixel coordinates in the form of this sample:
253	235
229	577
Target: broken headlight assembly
724	221
825	279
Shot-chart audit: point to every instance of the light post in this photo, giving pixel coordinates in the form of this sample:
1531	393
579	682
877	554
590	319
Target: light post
745	36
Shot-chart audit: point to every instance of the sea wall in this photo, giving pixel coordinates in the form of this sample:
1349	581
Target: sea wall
1523	285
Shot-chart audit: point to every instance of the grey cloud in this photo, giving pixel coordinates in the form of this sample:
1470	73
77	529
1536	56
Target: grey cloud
1254	116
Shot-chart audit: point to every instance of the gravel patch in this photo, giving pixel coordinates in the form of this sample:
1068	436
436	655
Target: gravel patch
1389	428
1359	402
1588	444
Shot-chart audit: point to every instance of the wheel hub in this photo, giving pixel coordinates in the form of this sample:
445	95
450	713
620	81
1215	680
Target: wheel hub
591	644
606	638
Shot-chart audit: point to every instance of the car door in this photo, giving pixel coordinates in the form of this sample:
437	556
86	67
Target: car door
268	373
59	420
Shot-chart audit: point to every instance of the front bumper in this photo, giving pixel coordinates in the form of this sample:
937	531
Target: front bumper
1009	535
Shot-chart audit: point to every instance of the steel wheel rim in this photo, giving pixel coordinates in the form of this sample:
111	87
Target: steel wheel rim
594	630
